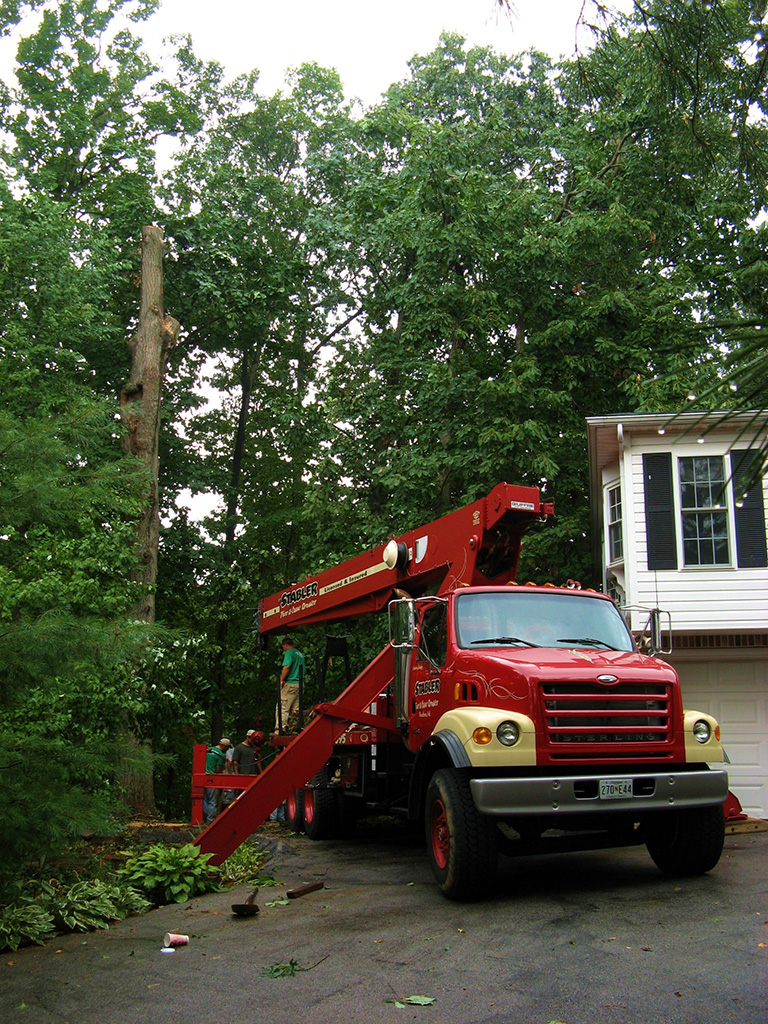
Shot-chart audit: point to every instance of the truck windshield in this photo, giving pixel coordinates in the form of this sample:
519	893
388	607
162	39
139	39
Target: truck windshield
536	619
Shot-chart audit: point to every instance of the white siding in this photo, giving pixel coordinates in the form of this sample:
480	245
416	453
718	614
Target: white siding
717	598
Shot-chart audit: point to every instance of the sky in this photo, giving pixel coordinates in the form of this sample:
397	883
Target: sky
369	43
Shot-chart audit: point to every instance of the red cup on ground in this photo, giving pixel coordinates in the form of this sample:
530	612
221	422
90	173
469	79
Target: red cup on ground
172	939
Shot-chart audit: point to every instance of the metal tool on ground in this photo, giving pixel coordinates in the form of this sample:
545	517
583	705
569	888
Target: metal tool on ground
302	890
247	909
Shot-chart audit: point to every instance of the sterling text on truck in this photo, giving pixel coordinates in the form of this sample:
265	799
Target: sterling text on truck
507	718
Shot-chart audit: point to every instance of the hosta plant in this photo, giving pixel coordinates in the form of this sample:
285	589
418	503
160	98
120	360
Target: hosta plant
171	874
23	922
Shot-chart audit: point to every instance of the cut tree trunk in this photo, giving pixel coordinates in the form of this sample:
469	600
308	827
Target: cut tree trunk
152	344
155	338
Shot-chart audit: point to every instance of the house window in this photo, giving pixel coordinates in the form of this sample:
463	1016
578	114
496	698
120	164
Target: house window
615	542
704	510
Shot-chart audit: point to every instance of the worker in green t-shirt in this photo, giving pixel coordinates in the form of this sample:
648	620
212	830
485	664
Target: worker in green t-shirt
215	762
291	677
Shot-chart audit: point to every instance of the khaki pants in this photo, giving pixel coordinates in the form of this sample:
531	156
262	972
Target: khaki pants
289	703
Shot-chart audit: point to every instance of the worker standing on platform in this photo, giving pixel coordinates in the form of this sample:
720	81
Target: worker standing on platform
291	678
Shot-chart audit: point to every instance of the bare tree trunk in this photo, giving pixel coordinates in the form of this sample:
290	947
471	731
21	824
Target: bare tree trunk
155	339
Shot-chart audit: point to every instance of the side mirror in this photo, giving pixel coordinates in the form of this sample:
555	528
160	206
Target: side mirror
659	623
656	635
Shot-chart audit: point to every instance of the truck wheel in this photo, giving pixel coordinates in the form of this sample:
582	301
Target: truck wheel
320	808
461	843
687	842
294	810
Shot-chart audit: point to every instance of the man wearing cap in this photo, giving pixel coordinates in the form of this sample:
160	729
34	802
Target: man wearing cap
215	762
291	677
244	757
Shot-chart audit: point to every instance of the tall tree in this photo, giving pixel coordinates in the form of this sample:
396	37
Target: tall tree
79	127
258	265
539	246
68	502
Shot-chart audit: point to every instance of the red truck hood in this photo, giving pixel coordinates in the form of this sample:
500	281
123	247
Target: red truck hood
530	665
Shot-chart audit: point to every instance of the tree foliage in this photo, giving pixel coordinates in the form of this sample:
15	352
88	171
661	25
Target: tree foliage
540	245
69	500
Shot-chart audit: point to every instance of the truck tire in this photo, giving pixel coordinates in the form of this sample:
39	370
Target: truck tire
687	842
294	810
321	817
461	843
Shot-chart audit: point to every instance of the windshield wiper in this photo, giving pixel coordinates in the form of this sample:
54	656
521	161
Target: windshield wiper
505	640
587	641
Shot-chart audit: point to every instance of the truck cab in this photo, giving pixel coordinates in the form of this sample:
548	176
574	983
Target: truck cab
539	704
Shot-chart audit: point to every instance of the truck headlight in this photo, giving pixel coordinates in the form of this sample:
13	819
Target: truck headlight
702	731
508	733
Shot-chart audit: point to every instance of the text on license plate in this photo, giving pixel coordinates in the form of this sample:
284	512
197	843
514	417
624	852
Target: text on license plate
615	789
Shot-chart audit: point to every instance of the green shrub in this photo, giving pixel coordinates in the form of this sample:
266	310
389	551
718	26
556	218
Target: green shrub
23	922
44	909
92	904
171	874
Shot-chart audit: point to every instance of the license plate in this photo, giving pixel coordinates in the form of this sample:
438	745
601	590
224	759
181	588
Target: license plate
615	789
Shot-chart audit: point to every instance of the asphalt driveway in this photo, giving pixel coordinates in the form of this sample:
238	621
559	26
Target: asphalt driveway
587	938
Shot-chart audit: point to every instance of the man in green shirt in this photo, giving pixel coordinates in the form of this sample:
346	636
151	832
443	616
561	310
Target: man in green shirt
291	677
215	762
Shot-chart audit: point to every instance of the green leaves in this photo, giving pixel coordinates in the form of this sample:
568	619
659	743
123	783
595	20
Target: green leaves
24	922
44	909
282	970
171	874
401	1004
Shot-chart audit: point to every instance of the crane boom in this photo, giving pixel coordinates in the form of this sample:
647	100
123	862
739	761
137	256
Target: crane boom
479	543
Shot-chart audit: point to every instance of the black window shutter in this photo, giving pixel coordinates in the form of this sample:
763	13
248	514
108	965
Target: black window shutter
750	517
659	511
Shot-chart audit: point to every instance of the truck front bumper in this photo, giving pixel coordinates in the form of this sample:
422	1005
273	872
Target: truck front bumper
566	794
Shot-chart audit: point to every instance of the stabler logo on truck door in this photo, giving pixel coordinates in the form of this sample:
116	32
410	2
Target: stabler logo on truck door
426	687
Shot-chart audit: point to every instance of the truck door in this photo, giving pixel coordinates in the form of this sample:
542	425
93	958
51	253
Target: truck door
427	689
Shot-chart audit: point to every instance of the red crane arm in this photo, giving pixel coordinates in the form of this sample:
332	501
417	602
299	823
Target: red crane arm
477	544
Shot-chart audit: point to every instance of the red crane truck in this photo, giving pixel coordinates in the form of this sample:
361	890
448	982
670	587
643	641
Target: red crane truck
508	718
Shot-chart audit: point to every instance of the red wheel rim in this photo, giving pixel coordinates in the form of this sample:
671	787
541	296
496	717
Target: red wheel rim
441	838
309	805
292	803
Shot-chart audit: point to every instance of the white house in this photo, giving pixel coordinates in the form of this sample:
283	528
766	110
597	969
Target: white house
674	530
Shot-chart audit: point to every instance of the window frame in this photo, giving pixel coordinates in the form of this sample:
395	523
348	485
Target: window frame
725	508
612	524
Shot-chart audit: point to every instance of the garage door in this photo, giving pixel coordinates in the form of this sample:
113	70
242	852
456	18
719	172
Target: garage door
736	693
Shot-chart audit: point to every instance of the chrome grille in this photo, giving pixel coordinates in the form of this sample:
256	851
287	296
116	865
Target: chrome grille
635	715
